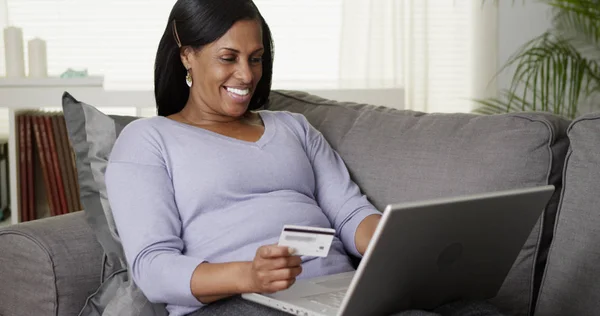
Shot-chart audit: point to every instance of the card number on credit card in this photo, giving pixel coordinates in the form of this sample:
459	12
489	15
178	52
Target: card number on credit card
306	240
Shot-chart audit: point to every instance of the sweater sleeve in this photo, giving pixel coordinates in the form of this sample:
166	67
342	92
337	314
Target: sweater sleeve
141	197
338	195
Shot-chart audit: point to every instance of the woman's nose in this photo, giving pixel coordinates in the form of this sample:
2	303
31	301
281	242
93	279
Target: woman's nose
244	72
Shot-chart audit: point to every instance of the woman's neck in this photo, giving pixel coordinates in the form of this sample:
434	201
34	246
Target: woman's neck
203	117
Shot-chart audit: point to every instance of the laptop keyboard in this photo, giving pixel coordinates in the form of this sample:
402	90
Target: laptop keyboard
331	299
336	283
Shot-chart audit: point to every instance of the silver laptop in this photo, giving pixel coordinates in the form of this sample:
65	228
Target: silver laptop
423	255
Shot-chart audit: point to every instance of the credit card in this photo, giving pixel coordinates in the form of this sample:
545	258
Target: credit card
306	240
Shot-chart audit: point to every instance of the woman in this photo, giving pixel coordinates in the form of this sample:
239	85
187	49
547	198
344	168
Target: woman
201	192
213	182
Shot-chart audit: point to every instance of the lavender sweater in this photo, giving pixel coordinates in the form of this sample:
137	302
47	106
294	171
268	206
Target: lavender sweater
182	195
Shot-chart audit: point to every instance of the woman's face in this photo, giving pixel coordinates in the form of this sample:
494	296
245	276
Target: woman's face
225	72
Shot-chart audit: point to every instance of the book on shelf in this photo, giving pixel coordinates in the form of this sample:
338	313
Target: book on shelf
47	175
4	182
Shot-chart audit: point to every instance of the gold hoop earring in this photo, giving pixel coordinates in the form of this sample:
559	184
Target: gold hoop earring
188	79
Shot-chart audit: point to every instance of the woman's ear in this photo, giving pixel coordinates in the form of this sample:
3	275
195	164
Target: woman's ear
186	54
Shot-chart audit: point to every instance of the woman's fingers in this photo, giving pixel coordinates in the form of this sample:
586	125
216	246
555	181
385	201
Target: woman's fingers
274	251
275	268
281	285
284	274
283	278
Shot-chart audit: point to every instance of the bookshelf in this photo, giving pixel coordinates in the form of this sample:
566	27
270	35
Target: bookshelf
27	94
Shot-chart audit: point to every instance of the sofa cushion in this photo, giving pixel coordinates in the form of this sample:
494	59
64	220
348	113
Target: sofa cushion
48	267
92	135
399	156
570	285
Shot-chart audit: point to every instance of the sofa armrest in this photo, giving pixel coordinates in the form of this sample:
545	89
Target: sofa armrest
48	266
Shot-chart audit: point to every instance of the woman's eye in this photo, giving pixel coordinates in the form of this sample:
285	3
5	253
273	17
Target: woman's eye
228	59
256	60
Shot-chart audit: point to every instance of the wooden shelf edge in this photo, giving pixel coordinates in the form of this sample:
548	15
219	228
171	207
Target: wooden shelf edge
28	83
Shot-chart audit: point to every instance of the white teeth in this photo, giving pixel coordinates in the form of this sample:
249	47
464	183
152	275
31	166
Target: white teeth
238	91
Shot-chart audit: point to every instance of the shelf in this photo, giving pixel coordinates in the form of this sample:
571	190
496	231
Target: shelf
25	93
28	83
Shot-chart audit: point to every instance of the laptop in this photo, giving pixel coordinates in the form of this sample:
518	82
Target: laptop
423	255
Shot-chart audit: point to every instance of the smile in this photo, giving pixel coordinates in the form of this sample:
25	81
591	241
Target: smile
240	92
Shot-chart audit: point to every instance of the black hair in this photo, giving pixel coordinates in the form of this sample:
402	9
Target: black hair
197	23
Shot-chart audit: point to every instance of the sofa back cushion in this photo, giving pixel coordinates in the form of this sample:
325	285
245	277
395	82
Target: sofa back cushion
92	135
399	156
570	285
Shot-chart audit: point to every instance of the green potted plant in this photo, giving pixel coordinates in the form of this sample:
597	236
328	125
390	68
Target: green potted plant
555	71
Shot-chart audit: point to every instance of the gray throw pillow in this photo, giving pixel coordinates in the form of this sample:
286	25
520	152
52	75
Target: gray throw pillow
92	135
570	285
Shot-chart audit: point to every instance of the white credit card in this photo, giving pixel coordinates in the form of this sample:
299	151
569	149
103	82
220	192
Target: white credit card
306	240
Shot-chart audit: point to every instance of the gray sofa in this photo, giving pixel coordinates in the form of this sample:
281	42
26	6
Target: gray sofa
51	266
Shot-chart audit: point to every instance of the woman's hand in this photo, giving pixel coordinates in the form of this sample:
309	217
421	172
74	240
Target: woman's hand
273	269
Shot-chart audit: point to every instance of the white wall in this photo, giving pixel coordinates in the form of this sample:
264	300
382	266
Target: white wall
518	22
3	14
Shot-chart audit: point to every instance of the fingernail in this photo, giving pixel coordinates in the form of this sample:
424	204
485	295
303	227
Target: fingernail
291	250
